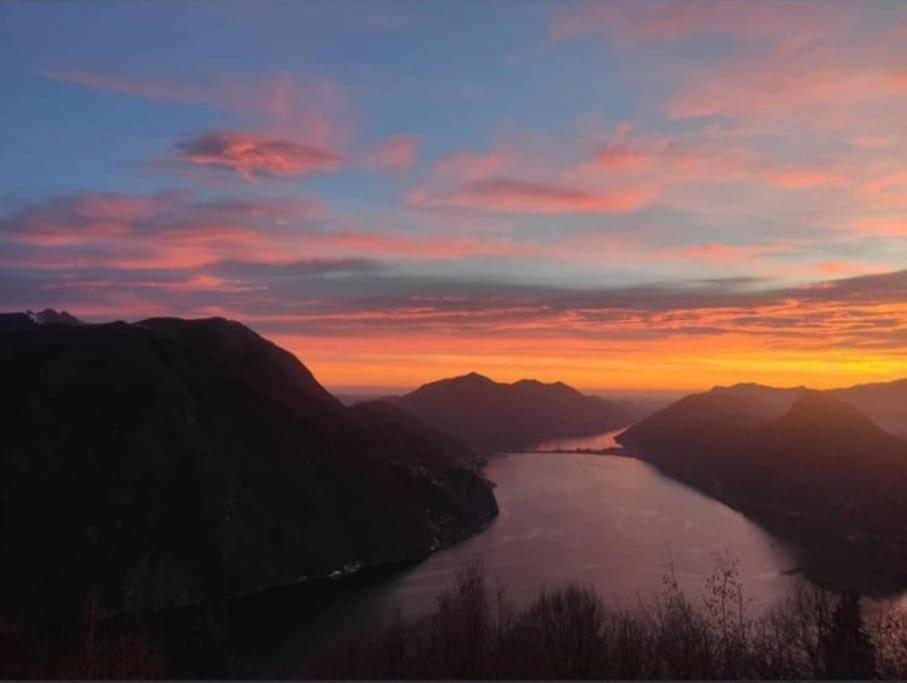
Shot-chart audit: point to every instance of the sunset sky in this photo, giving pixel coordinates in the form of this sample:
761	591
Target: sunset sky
619	195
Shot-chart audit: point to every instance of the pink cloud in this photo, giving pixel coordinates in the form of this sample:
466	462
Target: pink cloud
167	230
316	111
664	21
137	87
835	67
800	176
885	189
880	226
520	196
411	246
197	282
774	86
627	152
621	155
174	232
469	166
82	218
396	153
812	64
251	154
665	162
508	195
846	268
729	253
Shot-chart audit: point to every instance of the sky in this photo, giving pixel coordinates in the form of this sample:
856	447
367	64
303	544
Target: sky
628	196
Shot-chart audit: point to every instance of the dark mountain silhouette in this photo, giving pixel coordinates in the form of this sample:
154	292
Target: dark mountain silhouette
170	462
705	420
11	322
821	475
491	416
397	430
884	402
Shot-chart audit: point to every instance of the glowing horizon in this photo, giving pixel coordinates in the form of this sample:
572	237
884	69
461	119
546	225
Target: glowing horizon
646	195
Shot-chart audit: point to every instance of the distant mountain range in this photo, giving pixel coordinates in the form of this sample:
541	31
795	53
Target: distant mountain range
170	462
883	402
808	465
492	416
11	322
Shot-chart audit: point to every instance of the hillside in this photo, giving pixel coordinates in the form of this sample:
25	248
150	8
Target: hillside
822	476
170	462
492	416
885	402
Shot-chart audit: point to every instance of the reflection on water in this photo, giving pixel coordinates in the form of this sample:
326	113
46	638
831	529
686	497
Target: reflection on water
594	442
610	522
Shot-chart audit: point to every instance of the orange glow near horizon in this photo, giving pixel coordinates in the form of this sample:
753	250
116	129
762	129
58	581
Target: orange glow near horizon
678	365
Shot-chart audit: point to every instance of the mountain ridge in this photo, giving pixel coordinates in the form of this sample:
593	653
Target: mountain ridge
172	462
821	475
496	416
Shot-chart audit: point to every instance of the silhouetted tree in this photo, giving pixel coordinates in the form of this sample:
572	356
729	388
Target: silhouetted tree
849	652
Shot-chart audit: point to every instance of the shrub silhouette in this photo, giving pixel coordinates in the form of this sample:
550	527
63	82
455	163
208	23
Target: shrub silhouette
565	632
849	652
569	633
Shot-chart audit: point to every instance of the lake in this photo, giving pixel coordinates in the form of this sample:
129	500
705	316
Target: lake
610	522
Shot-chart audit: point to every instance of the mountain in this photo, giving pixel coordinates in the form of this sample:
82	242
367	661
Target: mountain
885	402
821	475
703	421
11	322
171	462
393	429
491	416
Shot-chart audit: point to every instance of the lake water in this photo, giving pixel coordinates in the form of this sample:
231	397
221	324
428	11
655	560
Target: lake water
610	522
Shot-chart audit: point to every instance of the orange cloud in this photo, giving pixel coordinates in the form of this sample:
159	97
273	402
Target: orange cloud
844	268
835	333
885	189
729	253
883	226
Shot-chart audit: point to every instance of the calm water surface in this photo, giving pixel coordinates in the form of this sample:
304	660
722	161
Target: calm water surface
610	522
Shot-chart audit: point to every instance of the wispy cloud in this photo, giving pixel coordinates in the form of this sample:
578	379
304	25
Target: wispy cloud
512	195
317	111
395	153
178	231
252	154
